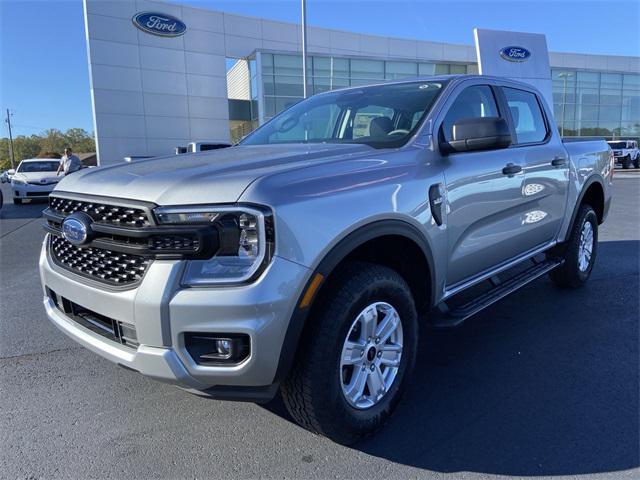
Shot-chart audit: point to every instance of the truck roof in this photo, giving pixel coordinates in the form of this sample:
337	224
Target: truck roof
435	78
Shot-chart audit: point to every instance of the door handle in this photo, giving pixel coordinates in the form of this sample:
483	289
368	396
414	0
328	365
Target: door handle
511	169
559	161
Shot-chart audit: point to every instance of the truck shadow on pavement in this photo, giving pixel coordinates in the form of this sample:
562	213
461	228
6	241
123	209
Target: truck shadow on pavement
545	382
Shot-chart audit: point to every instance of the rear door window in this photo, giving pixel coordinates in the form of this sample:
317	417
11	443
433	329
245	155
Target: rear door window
527	116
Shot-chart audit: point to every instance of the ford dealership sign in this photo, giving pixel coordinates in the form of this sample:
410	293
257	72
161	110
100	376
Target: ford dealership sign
515	54
159	24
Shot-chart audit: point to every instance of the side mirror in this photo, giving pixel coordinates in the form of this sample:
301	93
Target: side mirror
11	171
481	133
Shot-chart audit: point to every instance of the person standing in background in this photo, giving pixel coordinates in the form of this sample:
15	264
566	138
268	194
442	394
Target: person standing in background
69	163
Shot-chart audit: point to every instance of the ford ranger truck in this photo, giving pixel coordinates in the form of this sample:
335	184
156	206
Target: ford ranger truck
307	258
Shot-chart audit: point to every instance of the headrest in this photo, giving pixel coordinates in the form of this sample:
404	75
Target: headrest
380	127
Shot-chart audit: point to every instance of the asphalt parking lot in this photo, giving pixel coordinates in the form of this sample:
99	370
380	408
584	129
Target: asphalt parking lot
544	383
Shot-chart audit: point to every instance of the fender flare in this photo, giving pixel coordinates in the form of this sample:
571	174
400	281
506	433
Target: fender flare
590	181
331	260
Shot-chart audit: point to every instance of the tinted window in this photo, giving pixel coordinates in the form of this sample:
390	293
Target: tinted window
380	116
527	116
473	102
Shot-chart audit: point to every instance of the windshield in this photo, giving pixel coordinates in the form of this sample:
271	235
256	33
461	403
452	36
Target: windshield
618	145
381	116
44	166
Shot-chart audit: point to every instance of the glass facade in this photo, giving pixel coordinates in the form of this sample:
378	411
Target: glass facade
585	103
282	76
591	103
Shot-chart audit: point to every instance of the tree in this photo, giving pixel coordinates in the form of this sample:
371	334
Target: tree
49	155
54	141
80	140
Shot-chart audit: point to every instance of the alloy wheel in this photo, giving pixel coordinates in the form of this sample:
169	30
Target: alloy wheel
371	355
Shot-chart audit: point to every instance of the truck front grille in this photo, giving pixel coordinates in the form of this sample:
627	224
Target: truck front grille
113	268
101	212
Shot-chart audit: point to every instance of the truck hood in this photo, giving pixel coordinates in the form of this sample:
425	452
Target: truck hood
215	176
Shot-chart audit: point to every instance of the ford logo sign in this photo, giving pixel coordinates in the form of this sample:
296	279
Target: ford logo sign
76	228
159	24
515	54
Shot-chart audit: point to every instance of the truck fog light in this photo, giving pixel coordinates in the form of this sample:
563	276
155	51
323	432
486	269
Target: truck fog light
217	349
222	350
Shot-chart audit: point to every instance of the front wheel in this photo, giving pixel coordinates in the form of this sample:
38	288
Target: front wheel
356	356
626	162
580	250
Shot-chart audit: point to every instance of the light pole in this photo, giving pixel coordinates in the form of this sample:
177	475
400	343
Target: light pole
11	151
304	48
564	76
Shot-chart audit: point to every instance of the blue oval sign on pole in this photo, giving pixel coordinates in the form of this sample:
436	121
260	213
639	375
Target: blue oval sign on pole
515	54
159	24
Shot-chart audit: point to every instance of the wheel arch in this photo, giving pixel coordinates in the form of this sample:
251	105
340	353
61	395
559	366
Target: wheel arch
593	194
353	246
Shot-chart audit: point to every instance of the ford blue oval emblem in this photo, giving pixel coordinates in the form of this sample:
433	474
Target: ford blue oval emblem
159	24
515	54
76	228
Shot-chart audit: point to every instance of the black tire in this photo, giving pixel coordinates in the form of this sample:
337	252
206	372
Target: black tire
313	391
626	162
636	162
569	275
17	201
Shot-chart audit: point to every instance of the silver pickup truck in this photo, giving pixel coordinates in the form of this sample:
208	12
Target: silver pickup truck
305	258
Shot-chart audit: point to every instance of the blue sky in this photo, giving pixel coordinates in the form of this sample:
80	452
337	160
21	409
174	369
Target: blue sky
44	78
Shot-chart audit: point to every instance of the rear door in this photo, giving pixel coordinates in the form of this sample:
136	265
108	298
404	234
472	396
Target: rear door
483	202
546	166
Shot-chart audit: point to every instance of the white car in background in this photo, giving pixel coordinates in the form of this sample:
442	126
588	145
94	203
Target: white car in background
7	175
625	152
35	178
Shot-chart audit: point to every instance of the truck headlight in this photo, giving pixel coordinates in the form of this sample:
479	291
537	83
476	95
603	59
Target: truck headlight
246	237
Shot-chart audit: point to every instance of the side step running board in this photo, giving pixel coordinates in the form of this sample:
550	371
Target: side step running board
457	316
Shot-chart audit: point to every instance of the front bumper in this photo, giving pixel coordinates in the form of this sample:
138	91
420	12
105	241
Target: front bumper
162	312
30	190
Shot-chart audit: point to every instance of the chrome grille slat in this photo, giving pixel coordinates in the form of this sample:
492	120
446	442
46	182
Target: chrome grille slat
101	212
109	267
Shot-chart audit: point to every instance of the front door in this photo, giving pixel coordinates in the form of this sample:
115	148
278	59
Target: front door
483	191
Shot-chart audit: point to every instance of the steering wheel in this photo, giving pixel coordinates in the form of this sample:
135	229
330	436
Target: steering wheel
400	131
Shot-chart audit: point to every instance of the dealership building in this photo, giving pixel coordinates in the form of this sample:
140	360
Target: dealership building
164	75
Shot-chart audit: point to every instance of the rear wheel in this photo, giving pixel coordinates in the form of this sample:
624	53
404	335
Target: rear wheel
356	356
579	251
636	162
